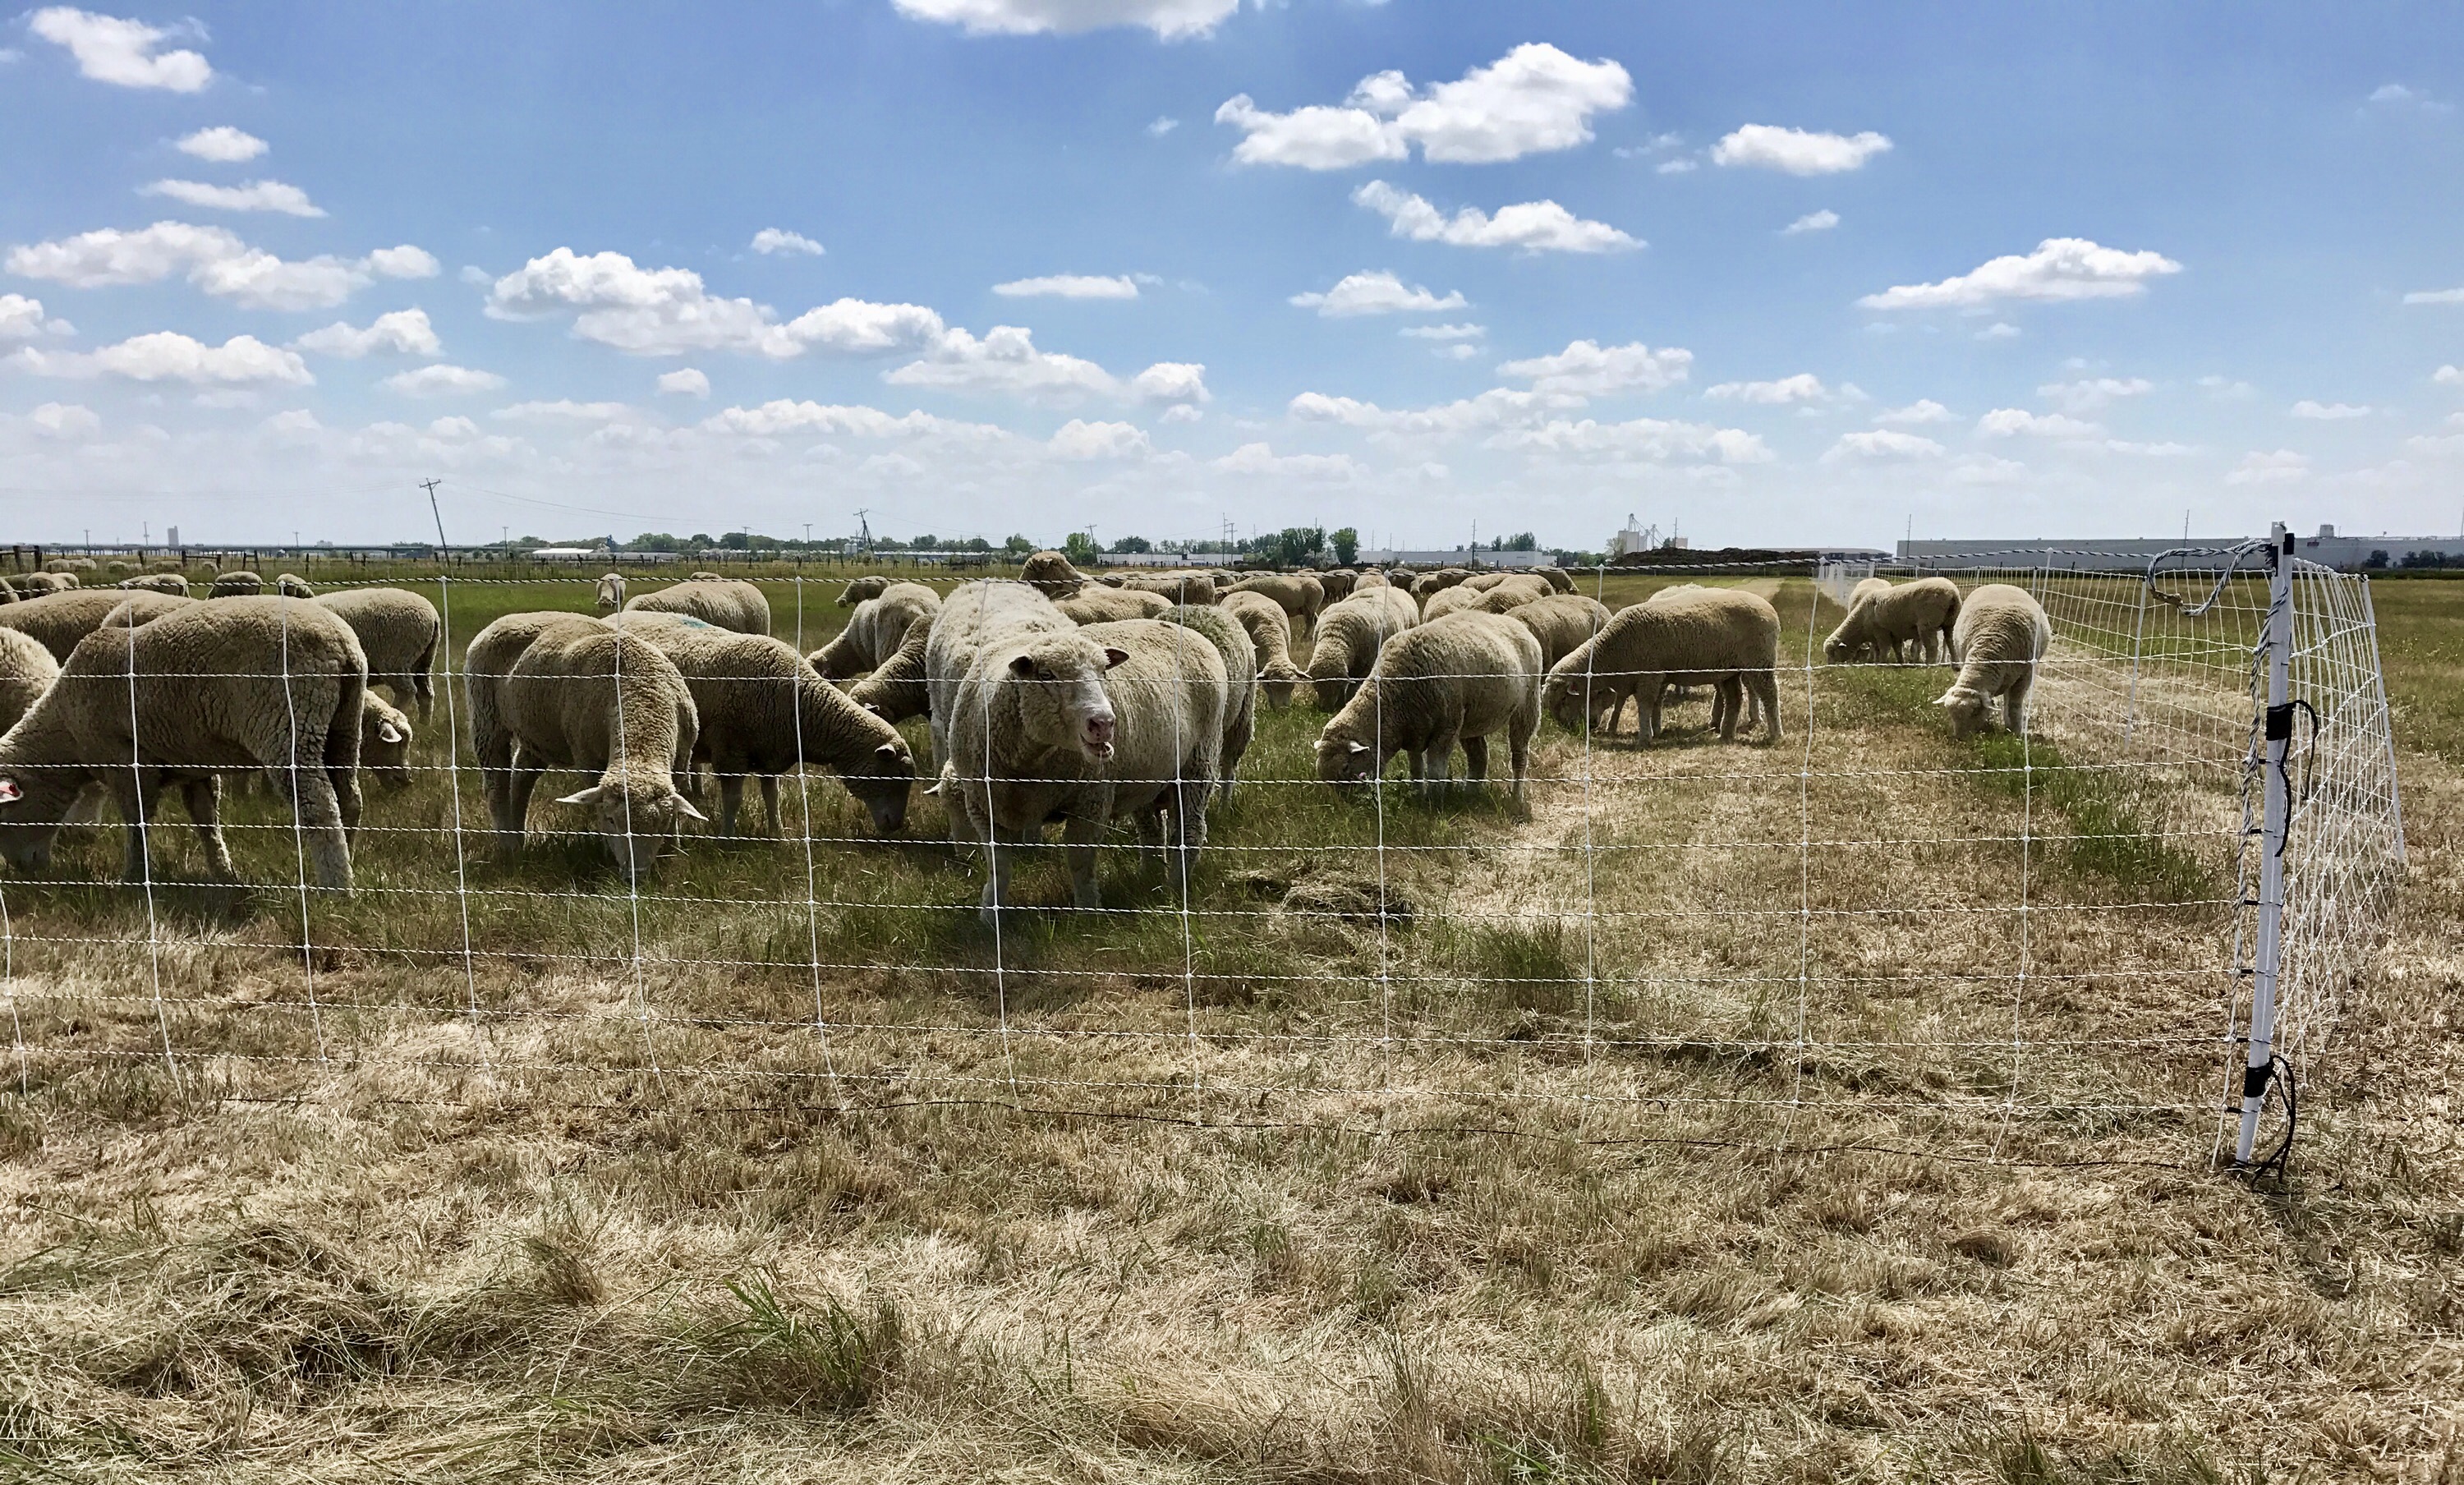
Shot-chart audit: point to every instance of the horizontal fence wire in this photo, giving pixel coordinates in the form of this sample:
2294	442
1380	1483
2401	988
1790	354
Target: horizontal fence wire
1970	945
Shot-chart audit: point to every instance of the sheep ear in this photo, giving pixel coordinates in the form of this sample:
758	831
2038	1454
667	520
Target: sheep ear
1360	747
935	787
685	806
1112	657
1022	665
10	793
387	732
887	750
588	796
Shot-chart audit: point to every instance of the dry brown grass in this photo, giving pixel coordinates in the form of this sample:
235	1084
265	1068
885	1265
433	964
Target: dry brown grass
1678	1160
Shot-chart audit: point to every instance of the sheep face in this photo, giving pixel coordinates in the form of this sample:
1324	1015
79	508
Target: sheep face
34	805
1568	698
635	818
1276	682
1345	761
611	593
1837	650
883	784
1966	709
1062	702
384	747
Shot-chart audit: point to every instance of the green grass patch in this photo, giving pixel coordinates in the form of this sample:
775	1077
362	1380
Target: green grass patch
2111	837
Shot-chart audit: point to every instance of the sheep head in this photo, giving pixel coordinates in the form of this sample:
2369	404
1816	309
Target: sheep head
1342	760
611	593
1062	703
1966	709
882	783
35	802
636	818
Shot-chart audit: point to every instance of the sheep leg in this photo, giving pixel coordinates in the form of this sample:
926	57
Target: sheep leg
135	792
730	799
770	803
999	847
1518	746
1728	695
1765	685
2015	702
1476	759
516	821
1646	709
1079	834
203	799
317	807
1189	824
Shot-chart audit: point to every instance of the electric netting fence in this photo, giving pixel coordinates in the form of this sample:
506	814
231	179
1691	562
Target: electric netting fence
1862	930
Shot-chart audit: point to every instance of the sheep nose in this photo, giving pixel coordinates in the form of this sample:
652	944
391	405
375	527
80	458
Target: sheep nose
1099	729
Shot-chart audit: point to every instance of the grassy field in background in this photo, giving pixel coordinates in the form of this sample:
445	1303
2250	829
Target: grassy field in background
1717	1119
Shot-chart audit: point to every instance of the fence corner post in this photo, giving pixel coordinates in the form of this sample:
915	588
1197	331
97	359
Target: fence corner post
2277	739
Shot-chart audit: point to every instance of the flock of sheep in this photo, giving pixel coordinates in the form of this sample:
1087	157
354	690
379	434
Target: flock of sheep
1057	696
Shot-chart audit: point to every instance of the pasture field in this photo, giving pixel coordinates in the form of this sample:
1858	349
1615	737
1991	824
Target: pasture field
1840	1108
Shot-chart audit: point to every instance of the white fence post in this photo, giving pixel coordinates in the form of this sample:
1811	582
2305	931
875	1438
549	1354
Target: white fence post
2277	741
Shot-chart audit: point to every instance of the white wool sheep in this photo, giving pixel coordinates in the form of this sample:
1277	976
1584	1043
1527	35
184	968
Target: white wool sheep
1336	584
26	669
254	683
611	591
1558	578
1302	595
1701	638
1096	604
1461	598
58	621
2001	635
399	630
1043	726
37	584
858	589
1369	578
1178	586
1240	658
761	711
1348	636
1517	589
1561	623
895	689
160	582
876	630
1270	640
1437	582
9	590
728	603
567	691
1892	620
385	738
292	585
1458	680
239	583
1051	574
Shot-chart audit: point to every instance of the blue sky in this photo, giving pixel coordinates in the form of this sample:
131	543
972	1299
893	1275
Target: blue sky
2056	271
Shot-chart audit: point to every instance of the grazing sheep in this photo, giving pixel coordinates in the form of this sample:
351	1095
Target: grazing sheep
36	584
1461	598
1302	594
1108	579
2001	634
876	630
1372	578
761	711
384	740
1349	636
1240	658
1483	581
1702	638
1270	639
1561	623
1457	680
239	583
254	683
611	591
1180	587
1087	725
1096	604
1050	574
895	689
858	589
293	585
400	630
726	603
58	621
1437	582
974	615
161	582
26	669
1521	588
567	691
9	590
1336	584
59	565
1917	615
1558	578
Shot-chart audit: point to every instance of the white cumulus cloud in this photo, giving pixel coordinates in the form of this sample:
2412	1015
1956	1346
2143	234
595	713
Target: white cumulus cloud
1070	286
684	382
777	239
1924	410
1531	226
1812	222
2435	296
1443	332
1880	444
109	49
2257	468
1260	458
65	420
564	409
1171	20
2089	393
22	319
168	356
2329	412
1006	361
1378	293
1804	387
2060	268
403	331
247	196
1534	98
1585	368
667	312
1657	439
1080	439
2013	422
443	381
214	260
222	145
1798	151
